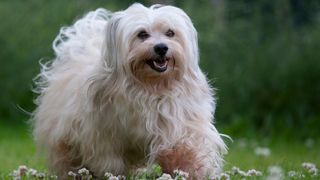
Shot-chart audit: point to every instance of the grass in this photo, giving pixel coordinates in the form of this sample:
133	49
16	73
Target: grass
17	148
287	155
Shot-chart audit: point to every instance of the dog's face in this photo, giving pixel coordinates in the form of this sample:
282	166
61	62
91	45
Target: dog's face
155	45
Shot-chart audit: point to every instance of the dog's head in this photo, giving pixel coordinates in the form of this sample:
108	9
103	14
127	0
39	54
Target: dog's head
155	46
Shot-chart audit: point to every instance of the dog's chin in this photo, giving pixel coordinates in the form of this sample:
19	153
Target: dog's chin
157	73
159	65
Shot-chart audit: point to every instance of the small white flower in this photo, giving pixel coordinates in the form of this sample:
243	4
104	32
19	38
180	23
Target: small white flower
53	177
295	174
292	173
83	171
253	172
121	177
262	151
237	171
107	174
110	176
72	174
113	178
32	172
243	174
311	168
22	170
308	165
17	178
181	173
16	175
313	171
275	173
165	176
224	176
140	171
41	175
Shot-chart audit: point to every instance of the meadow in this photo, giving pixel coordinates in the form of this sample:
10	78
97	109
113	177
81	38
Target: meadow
273	158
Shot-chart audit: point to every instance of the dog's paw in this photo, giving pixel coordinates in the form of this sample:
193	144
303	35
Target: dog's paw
180	157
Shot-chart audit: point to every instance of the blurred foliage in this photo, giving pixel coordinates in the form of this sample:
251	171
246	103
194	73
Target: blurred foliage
263	56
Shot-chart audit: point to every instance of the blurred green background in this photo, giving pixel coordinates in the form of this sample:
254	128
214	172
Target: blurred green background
263	56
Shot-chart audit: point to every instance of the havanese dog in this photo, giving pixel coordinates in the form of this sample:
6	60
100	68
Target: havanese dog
125	91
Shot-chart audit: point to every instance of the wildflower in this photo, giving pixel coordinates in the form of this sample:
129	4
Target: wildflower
110	176
181	174
295	174
113	178
253	172
40	175
53	177
308	165
17	178
262	151
237	171
311	168
292	173
275	173
313	171
83	171
22	170
243	174
224	176
142	170
32	172
15	175
165	176
121	177
107	174
72	174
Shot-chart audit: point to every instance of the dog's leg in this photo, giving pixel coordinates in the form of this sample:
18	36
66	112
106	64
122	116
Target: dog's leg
180	157
64	158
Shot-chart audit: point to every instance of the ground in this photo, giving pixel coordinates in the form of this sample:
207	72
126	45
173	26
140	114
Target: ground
17	148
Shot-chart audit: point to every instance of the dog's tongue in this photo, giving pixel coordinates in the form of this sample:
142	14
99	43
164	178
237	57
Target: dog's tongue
160	64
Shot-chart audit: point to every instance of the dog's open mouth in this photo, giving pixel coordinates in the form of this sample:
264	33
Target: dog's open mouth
159	65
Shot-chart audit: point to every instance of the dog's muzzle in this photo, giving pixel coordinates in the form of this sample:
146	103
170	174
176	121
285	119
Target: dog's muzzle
160	62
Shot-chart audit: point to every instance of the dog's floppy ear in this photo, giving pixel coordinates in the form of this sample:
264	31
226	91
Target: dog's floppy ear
113	41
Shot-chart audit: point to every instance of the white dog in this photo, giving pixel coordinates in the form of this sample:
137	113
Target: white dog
125	90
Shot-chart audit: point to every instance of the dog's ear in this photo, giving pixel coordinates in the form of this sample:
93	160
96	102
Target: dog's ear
113	41
192	36
189	33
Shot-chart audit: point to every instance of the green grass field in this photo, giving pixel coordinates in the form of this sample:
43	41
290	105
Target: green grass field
17	148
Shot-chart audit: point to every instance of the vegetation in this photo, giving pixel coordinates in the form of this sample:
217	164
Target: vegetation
268	156
262	56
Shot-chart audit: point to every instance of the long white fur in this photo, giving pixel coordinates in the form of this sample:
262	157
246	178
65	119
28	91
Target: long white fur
89	100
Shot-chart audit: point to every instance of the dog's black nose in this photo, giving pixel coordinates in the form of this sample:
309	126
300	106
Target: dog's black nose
161	49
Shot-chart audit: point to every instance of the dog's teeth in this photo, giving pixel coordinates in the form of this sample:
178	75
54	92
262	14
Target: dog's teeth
160	65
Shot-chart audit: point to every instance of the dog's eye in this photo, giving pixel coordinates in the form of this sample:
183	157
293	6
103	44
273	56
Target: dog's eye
170	33
143	35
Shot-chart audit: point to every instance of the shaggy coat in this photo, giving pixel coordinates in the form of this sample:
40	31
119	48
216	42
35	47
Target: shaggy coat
104	107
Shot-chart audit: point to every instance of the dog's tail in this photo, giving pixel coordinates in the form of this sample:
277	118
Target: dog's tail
84	37
77	45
